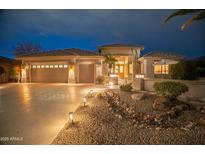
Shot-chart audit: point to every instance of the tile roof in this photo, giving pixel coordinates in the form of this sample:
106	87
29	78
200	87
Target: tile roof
62	52
122	45
162	54
9	60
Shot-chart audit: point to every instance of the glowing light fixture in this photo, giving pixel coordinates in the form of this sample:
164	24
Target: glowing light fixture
84	101
111	84
91	92
71	117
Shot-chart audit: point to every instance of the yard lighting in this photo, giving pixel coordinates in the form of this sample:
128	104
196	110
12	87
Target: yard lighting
71	116
91	92
84	101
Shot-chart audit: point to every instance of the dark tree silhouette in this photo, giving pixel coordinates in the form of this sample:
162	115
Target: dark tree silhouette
24	48
2	71
197	15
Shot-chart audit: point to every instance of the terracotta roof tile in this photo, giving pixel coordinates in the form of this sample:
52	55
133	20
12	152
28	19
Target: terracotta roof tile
63	52
162	54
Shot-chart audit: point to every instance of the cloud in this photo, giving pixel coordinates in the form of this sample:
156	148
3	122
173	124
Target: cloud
128	26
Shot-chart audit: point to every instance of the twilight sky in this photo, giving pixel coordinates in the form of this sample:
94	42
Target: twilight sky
87	29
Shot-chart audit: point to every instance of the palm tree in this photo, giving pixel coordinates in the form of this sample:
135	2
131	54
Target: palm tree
198	15
110	60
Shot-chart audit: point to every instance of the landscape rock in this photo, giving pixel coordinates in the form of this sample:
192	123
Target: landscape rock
137	96
184	98
202	121
158	128
119	116
161	103
189	126
202	99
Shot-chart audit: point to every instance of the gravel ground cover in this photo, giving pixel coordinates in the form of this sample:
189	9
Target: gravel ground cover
98	123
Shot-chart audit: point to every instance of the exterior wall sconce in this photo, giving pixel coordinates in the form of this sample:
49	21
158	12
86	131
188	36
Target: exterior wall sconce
111	84
71	117
84	101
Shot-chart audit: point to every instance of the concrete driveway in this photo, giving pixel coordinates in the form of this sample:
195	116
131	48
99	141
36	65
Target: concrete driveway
35	113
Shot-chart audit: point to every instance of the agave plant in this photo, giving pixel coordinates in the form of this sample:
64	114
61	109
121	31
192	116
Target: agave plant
110	60
198	15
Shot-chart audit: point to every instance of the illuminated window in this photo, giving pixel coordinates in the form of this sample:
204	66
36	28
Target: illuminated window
161	69
51	66
60	66
47	66
56	66
121	69
65	66
42	66
38	66
34	66
116	69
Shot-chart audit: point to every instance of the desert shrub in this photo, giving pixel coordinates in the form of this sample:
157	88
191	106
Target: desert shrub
126	87
183	70
100	79
170	89
200	71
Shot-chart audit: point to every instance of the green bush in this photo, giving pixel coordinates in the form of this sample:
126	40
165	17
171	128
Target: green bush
100	79
170	89
126	87
183	70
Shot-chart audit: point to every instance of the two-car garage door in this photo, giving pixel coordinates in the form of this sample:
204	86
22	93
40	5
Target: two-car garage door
49	73
60	73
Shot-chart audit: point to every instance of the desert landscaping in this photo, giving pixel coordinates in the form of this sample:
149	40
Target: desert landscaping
136	117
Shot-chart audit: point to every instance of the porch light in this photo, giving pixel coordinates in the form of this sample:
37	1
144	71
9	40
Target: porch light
111	84
84	101
71	117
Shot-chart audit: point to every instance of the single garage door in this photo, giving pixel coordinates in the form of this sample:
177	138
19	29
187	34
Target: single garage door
49	73
86	73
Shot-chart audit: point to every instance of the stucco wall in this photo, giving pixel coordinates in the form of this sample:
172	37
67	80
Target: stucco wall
148	68
196	88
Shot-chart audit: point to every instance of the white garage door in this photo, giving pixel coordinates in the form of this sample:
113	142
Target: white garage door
86	73
49	73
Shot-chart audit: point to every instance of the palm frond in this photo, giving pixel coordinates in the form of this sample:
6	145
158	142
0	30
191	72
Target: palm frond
193	19
181	13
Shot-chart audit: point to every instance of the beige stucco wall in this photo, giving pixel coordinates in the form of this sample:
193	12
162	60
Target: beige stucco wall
148	68
196	88
70	61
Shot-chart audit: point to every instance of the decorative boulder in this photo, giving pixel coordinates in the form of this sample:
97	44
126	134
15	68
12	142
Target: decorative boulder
202	99
202	121
161	103
137	96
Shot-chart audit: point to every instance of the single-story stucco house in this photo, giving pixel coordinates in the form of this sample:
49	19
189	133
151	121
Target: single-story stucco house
82	66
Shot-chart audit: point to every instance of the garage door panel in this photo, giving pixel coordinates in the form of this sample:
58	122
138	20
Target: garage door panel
86	73
50	75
